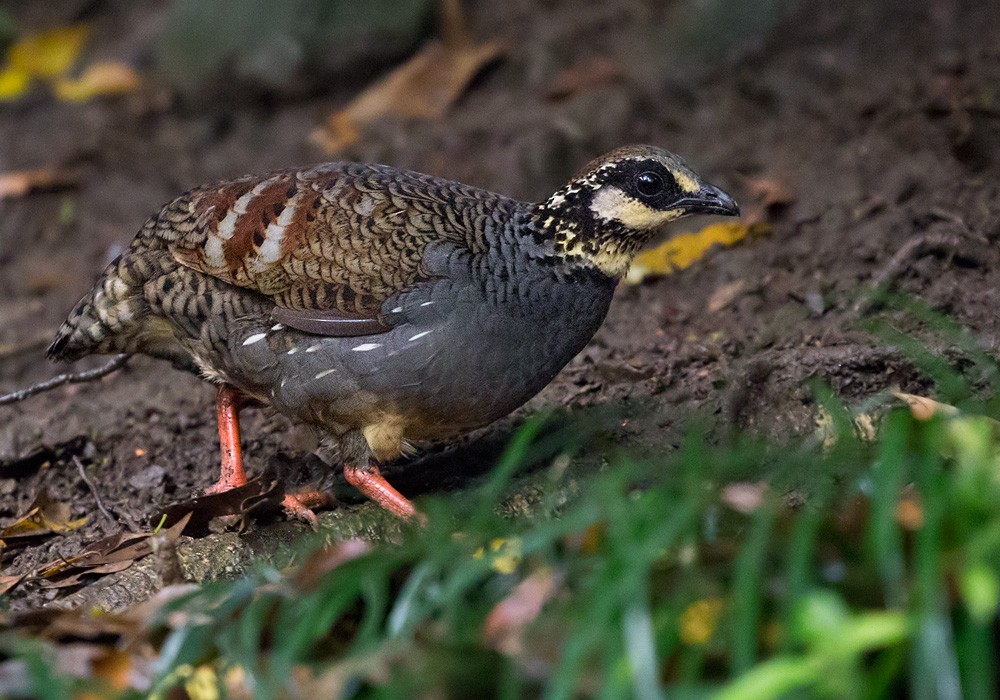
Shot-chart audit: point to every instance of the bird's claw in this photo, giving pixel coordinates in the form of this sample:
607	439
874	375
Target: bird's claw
297	510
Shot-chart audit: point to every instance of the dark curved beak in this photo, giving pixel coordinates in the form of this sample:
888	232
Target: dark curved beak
709	200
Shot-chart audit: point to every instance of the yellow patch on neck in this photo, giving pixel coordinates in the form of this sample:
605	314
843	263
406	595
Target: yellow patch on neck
687	183
610	260
611	204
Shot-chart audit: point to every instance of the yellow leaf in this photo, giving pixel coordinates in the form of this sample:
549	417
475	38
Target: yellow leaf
699	619
203	684
43	516
505	554
50	53
685	250
13	83
100	79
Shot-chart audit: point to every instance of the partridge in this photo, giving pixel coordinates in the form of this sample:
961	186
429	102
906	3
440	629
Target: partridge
381	306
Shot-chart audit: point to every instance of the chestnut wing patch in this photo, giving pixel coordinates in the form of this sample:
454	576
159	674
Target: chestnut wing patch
327	245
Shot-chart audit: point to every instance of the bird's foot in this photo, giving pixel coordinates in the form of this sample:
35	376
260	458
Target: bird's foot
296	508
370	482
223	485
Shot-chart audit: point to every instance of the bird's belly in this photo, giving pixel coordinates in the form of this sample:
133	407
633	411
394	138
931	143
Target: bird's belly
456	364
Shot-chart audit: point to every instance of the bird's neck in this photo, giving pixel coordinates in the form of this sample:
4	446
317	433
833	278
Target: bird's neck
565	223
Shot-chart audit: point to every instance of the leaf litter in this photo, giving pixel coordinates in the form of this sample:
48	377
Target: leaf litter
49	57
425	87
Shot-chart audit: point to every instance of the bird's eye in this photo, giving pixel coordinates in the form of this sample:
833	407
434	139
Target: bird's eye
649	184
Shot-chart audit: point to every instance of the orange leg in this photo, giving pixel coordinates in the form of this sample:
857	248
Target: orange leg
371	483
231	472
227	409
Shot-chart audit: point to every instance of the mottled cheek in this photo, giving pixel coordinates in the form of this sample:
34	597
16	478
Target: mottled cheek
611	204
688	184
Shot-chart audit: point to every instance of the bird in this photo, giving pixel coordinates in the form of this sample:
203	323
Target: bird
383	307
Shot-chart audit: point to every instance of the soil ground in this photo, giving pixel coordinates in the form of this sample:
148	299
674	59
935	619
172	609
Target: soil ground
882	118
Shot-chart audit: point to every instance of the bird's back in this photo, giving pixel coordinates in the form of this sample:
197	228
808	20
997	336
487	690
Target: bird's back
340	237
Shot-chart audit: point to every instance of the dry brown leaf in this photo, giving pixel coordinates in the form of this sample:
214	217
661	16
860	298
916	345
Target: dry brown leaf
9	583
105	556
769	191
326	559
725	295
423	87
924	408
100	79
910	509
590	540
43	517
18	183
254	497
504	627
118	670
586	75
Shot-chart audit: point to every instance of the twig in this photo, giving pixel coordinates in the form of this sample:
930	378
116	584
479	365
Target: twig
93	489
89	375
914	248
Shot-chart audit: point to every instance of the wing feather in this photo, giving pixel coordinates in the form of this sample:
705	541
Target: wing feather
329	245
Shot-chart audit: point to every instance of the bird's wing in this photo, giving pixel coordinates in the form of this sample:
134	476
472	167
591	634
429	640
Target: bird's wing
329	245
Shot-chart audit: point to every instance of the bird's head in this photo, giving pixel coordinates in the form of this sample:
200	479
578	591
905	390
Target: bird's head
615	204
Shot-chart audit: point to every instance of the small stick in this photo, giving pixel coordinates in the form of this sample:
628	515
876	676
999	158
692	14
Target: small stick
93	489
89	375
913	248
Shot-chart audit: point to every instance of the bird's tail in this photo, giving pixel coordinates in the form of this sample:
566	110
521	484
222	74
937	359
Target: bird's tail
104	321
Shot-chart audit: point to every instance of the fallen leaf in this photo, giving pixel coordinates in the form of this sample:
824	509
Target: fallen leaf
588	541
105	556
910	509
504	553
203	684
44	56
43	517
50	53
239	501
9	583
13	83
504	626
326	559
699	619
744	497
769	191
116	669
924	408
586	75
424	87
686	249
100	79
725	295
18	183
